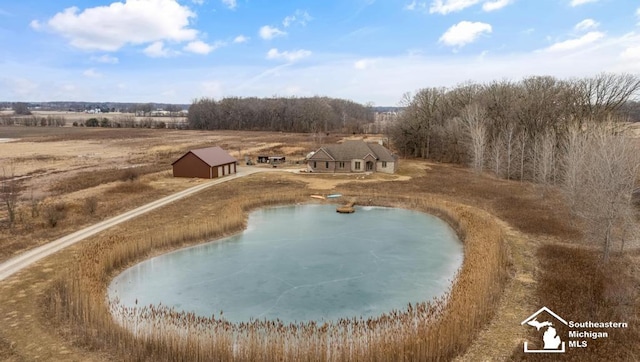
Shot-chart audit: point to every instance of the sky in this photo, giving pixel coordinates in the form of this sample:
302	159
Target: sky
368	51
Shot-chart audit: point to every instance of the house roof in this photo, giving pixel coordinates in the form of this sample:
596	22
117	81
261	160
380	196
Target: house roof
212	156
354	149
382	152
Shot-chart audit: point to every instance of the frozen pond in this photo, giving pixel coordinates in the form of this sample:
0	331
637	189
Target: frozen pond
302	263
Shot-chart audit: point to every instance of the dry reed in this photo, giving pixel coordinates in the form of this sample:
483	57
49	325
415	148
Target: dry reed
432	330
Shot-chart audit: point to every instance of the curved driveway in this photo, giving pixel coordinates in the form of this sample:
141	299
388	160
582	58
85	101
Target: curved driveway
27	258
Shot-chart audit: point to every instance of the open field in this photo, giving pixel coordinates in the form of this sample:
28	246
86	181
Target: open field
66	166
81	117
546	263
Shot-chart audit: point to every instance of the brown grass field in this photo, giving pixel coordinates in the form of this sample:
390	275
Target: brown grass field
522	251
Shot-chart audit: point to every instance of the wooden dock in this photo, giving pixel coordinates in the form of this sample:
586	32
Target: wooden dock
346	209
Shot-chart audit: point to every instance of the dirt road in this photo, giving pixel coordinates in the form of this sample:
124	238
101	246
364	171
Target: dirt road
24	260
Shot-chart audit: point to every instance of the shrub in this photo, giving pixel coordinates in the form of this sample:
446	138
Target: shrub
129	174
92	122
35	207
91	205
55	213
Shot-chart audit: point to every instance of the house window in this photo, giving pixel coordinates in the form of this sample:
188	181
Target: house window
357	165
314	164
341	164
384	164
326	165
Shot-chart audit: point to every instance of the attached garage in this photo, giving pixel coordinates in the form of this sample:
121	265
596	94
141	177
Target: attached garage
208	162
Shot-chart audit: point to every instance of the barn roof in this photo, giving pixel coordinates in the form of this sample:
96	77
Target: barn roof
212	156
354	149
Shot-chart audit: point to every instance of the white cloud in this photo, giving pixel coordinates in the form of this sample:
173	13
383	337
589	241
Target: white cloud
289	56
268	32
241	39
363	64
109	28
231	4
631	53
449	6
483	55
157	50
586	24
572	44
105	59
91	73
575	3
200	47
35	25
464	32
301	17
416	5
495	5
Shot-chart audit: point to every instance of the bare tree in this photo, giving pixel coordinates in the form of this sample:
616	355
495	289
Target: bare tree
522	147
20	108
9	194
606	93
573	162
605	184
545	157
508	139
496	155
473	118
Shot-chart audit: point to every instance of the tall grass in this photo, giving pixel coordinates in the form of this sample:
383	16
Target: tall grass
431	330
87	179
576	285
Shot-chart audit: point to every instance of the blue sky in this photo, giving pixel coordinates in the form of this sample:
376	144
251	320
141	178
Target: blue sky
366	50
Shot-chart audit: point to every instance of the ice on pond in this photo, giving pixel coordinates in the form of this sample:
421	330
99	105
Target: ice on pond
302	263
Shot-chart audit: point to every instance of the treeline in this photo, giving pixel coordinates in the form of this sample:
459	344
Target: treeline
568	133
33	121
503	125
142	109
129	121
631	109
314	114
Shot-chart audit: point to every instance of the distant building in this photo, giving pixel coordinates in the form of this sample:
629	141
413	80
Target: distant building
353	156
271	159
211	162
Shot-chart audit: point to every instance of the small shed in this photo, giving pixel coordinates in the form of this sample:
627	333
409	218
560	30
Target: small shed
271	159
210	162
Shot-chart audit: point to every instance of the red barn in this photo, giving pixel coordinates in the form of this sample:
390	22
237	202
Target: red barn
208	162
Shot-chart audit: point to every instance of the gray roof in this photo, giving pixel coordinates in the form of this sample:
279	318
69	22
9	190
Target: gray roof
354	149
212	156
382	152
